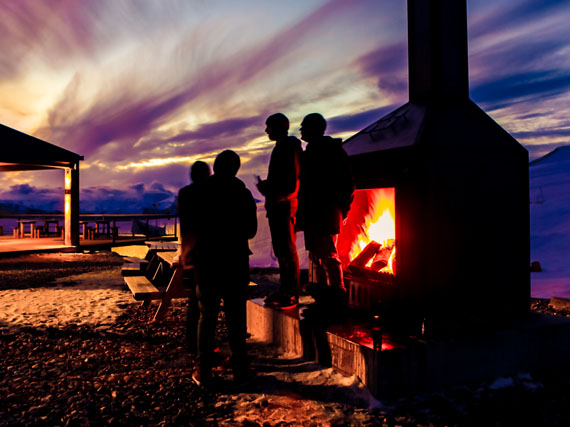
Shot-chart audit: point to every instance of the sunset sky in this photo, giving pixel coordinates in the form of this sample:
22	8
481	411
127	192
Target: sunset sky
144	88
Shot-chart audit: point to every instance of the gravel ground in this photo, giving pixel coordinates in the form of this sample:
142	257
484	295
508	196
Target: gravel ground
138	373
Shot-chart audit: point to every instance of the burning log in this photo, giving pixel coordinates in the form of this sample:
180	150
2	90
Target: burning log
358	265
381	259
367	274
378	265
366	255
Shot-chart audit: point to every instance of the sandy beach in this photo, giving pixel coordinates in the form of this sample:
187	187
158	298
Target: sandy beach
42	298
77	350
75	300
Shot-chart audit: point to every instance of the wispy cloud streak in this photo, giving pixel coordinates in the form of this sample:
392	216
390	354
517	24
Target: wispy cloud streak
126	116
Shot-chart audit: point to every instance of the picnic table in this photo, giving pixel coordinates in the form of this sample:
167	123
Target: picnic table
22	227
103	226
161	264
162	246
86	231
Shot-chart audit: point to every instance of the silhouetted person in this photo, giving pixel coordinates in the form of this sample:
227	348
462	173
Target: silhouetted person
226	222
188	201
325	194
280	191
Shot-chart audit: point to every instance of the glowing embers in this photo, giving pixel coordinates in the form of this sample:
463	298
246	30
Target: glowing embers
367	241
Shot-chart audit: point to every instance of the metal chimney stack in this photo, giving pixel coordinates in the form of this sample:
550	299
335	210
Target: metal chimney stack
437	50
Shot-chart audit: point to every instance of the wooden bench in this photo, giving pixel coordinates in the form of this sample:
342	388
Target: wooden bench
134	268
142	288
162	246
160	270
134	259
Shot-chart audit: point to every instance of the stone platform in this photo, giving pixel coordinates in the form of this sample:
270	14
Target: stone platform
415	365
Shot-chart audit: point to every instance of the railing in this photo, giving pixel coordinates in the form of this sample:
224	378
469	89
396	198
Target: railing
102	218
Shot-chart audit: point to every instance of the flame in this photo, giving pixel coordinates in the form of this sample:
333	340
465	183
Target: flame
381	231
390	267
371	218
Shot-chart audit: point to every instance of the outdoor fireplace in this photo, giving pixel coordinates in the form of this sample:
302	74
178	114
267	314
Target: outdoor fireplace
459	186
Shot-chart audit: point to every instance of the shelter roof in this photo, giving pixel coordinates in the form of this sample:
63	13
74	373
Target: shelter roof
21	151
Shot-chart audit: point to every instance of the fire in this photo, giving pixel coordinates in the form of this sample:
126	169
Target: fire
381	231
391	261
370	224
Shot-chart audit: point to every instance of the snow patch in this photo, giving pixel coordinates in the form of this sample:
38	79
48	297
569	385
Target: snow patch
501	382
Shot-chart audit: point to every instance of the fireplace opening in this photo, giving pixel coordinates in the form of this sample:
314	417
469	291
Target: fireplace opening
367	246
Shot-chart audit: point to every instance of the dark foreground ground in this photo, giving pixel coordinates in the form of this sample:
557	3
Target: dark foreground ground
137	373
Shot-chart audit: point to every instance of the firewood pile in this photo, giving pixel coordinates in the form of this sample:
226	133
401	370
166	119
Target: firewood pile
369	263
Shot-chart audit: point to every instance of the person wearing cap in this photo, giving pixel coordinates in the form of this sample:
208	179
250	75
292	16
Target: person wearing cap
280	191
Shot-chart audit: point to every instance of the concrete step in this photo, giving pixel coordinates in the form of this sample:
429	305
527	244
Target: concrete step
413	365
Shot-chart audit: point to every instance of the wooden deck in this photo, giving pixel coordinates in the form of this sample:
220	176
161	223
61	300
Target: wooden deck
10	246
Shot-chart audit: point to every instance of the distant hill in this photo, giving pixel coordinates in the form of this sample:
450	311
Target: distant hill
7	208
560	154
147	203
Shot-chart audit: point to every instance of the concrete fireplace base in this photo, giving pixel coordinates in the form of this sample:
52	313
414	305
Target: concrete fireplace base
417	366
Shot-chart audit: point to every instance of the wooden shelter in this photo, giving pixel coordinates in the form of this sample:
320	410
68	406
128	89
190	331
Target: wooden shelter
22	152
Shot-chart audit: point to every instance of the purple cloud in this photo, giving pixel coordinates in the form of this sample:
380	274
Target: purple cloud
172	177
137	188
535	85
386	59
56	31
510	58
389	64
355	122
515	14
26	191
541	133
222	128
126	116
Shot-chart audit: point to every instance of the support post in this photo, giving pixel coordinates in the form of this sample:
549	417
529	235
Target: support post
72	205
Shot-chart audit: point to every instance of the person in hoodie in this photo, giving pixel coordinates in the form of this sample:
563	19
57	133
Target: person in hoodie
227	219
280	191
325	194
